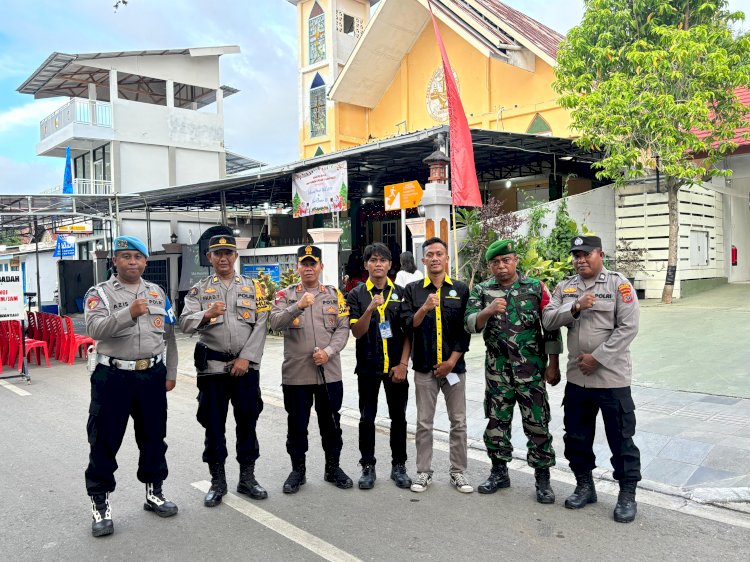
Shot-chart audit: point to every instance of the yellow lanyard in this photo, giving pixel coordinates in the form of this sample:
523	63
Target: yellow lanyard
439	326
381	312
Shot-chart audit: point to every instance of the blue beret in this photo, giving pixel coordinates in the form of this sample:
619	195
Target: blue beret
500	248
129	243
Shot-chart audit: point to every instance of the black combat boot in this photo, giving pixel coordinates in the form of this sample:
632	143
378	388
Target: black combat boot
101	513
248	484
335	475
544	493
296	477
367	480
497	479
399	475
584	494
626	507
156	502
218	485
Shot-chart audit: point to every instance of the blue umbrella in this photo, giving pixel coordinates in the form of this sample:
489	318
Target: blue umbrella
68	179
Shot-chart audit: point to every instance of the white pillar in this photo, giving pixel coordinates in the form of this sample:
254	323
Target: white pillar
327	239
170	93
112	85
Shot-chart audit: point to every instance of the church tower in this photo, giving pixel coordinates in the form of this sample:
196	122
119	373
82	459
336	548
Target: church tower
328	32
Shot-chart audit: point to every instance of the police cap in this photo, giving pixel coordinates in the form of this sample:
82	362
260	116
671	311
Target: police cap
585	243
304	252
222	242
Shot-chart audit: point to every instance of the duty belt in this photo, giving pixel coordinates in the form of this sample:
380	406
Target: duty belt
126	365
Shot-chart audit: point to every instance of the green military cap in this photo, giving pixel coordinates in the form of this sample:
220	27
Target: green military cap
500	248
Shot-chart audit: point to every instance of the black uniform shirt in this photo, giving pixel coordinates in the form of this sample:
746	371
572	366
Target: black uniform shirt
372	348
433	341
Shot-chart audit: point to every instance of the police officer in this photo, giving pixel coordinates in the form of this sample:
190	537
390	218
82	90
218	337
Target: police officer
600	310
508	309
382	358
126	316
315	321
229	311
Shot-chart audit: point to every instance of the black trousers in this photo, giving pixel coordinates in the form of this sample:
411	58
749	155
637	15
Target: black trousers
581	406
298	401
397	395
117	395
214	394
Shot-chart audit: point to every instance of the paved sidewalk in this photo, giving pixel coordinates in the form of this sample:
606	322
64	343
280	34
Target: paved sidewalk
693	445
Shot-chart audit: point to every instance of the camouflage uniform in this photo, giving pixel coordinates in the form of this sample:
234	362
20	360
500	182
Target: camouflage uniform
517	349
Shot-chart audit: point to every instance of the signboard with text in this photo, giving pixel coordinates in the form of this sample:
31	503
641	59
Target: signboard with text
321	190
271	269
11	296
63	248
406	195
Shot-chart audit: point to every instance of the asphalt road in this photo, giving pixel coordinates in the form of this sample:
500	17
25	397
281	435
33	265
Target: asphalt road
46	515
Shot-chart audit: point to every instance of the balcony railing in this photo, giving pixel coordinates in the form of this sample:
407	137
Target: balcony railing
77	110
85	187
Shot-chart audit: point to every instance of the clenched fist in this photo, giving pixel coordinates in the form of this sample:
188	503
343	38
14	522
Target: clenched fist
497	306
138	307
431	303
586	301
377	301
306	300
215	310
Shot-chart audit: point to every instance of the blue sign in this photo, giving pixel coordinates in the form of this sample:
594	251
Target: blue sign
271	269
63	248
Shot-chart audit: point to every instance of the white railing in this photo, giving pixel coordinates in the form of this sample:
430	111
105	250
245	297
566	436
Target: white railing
84	187
77	110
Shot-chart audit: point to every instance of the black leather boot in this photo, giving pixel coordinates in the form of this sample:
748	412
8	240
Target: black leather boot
544	493
584	494
399	476
334	474
248	484
626	507
497	479
367	480
156	502
218	485
101	513
296	477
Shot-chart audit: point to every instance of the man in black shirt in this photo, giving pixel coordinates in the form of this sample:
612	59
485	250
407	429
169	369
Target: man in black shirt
382	356
433	311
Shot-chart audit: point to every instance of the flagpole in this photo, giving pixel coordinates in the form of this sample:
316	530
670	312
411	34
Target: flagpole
453	206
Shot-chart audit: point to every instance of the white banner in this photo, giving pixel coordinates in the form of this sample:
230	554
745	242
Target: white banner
11	296
321	190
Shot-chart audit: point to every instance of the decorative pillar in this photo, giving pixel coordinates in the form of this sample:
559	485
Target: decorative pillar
327	239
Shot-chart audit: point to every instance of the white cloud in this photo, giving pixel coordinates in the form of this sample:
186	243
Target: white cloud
30	177
27	115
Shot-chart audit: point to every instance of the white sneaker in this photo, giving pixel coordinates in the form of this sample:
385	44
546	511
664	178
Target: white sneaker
459	481
421	482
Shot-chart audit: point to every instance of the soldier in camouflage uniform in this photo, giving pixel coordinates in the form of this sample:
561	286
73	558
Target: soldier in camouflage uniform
508	309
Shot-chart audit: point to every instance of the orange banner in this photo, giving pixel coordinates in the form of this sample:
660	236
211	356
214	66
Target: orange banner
406	195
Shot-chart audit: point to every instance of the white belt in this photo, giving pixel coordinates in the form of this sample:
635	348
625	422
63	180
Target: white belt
135	365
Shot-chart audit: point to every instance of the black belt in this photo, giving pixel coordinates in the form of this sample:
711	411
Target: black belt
213	355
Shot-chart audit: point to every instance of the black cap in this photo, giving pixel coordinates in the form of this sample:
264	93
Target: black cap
304	252
585	243
222	242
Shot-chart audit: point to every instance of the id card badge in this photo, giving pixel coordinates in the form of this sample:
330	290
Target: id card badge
385	330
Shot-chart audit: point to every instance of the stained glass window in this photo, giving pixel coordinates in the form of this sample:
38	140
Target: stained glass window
317	107
316	29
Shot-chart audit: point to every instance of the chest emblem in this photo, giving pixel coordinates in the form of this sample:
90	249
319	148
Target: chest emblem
158	322
210	291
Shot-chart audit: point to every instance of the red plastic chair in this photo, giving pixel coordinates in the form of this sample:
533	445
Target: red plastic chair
15	335
76	342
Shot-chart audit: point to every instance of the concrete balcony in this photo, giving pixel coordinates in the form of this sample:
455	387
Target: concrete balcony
80	124
85	187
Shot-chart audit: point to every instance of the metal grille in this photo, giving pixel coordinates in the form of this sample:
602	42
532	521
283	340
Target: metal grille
157	272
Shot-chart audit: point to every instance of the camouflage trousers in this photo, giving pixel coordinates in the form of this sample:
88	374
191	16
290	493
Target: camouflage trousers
501	394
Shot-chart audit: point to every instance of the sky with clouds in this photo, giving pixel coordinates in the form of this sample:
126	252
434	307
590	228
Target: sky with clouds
261	121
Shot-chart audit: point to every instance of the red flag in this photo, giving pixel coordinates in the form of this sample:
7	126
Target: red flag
463	171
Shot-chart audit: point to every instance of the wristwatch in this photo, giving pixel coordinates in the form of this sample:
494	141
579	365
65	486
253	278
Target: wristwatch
576	307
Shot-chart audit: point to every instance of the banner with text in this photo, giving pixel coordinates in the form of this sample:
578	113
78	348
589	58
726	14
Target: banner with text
321	190
11	296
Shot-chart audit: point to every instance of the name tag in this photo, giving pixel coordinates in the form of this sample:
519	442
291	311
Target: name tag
385	330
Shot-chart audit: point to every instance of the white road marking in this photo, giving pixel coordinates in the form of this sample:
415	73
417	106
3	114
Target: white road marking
14	388
285	529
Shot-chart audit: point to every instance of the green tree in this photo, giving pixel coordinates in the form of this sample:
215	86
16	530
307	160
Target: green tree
643	78
10	238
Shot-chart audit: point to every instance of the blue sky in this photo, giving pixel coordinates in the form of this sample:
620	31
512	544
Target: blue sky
260	122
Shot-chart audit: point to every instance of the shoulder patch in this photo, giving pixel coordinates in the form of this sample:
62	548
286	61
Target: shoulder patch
626	292
281	294
193	291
